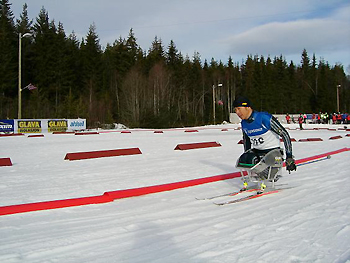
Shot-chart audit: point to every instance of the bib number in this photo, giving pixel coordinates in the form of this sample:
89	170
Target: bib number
257	141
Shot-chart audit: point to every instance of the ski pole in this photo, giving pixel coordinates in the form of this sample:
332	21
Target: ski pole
317	160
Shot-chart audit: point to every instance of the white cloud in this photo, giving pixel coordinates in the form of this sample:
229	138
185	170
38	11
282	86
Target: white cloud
316	36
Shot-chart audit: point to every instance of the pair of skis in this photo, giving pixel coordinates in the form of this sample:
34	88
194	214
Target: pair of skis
252	194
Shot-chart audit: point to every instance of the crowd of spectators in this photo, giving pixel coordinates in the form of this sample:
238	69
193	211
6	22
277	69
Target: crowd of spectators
320	118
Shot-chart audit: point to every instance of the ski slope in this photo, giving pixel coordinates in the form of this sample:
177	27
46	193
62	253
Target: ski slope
310	222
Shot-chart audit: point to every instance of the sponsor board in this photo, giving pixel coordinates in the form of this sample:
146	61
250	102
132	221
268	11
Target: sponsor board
7	126
77	124
29	126
57	125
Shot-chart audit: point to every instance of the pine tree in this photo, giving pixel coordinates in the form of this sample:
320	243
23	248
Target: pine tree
172	56
133	50
292	90
247	70
280	84
9	61
155	54
62	72
44	65
324	93
304	79
73	76
91	65
24	24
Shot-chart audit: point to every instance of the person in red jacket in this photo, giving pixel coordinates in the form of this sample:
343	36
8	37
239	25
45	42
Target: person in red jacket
313	118
339	118
334	118
288	118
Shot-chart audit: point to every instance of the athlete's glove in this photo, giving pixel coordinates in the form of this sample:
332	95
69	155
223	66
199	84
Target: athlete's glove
290	164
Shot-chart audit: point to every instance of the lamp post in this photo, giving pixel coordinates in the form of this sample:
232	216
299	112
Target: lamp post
219	85
338	87
20	36
214	103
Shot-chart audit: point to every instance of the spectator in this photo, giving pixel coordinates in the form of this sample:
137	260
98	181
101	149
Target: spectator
313	118
334	118
324	118
339	118
300	121
343	118
288	118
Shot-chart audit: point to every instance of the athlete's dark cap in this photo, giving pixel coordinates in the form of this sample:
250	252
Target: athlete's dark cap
241	101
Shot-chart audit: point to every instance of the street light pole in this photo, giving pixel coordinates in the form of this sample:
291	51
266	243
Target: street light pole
214	103
20	76
219	85
20	72
338	87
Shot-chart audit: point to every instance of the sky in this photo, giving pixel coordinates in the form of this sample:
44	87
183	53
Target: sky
215	29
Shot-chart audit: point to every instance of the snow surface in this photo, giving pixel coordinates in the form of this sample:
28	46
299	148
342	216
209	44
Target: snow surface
310	222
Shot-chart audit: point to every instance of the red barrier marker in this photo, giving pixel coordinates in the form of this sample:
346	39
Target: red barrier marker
335	137
86	133
314	139
14	209
5	162
291	139
189	146
100	154
311	140
168	187
110	196
35	135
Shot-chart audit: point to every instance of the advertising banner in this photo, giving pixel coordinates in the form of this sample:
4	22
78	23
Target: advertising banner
7	126
29	126
77	124
57	125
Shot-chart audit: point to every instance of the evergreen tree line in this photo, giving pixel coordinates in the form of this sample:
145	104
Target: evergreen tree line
155	88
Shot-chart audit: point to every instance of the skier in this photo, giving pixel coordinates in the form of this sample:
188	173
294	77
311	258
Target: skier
261	135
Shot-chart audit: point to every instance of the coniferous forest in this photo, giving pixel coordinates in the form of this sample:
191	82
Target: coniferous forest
158	87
